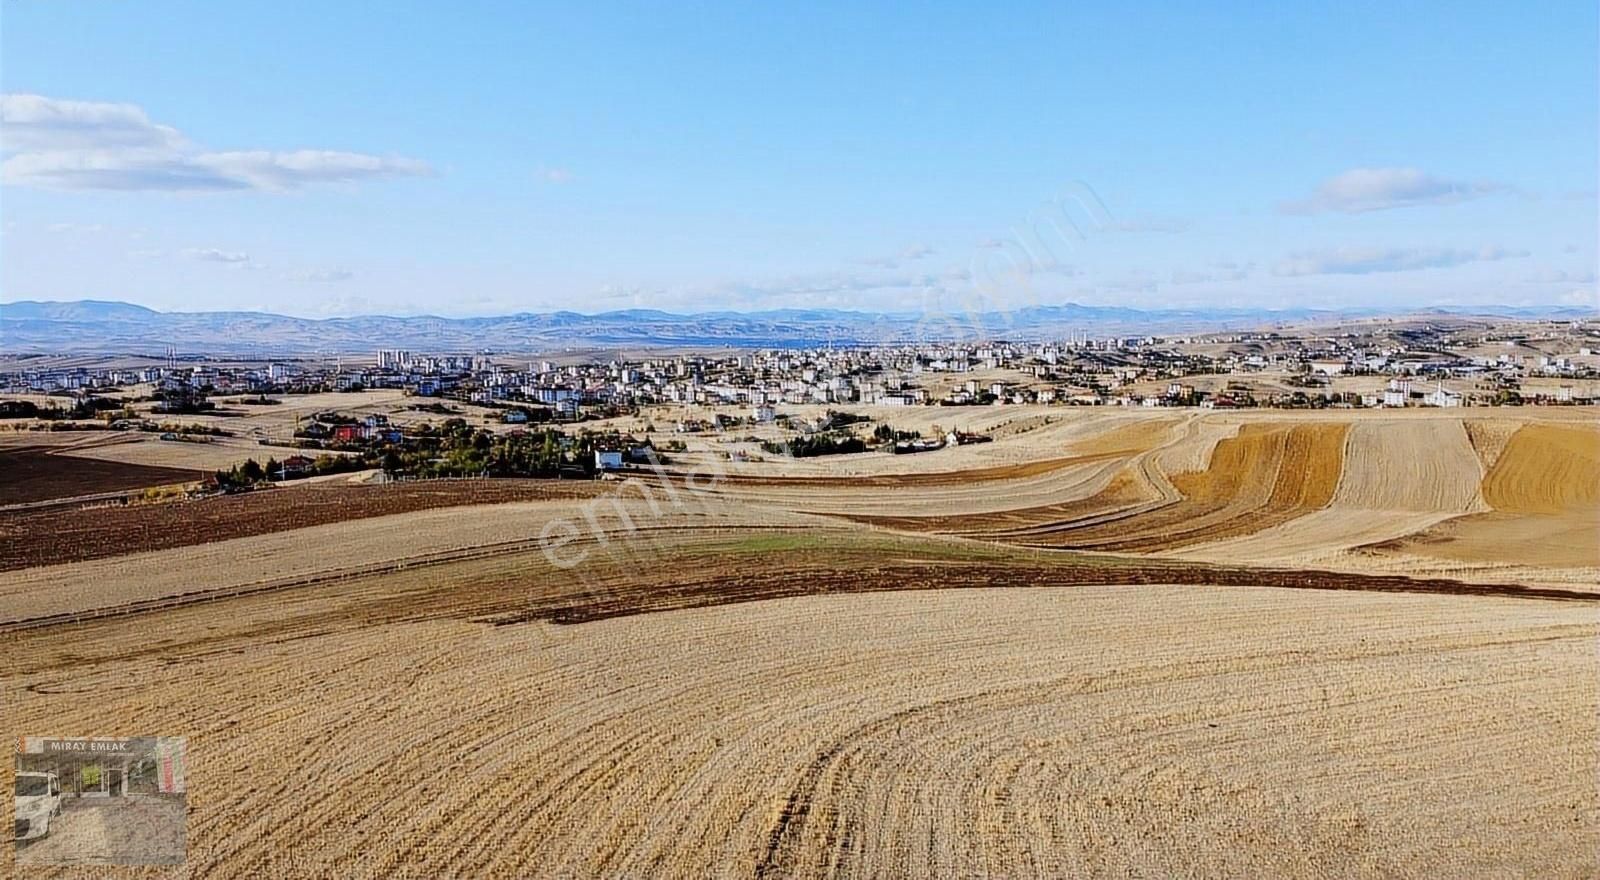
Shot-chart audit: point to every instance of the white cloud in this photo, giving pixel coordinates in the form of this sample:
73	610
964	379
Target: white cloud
213	255
1366	261
555	175
34	123
232	259
60	144
260	169
321	276
345	305
1133	281
838	289
1375	189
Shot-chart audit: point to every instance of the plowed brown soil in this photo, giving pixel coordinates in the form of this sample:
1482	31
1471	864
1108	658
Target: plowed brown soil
36	474
72	534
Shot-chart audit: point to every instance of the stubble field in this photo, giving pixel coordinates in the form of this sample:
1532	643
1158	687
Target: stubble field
1202	645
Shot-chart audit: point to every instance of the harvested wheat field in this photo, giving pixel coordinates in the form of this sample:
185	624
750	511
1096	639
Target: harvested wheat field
1375	492
1019	728
1094	647
1543	498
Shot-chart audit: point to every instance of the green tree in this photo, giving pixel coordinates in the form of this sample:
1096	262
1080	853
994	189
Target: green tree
250	471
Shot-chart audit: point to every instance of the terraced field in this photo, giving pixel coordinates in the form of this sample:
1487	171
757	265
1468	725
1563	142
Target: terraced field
1468	498
1214	644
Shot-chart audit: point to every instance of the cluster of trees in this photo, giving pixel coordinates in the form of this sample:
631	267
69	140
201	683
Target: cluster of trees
816	444
182	401
184	430
1302	400
87	408
885	434
839	419
456	449
252	473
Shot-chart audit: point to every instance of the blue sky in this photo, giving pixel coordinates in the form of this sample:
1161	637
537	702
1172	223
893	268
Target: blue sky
327	159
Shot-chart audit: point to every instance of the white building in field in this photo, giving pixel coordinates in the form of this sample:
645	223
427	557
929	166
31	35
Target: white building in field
1441	396
1397	393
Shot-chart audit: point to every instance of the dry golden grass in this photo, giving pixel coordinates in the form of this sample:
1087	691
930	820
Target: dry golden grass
1136	435
200	453
1398	477
1424	466
1544	488
1546	469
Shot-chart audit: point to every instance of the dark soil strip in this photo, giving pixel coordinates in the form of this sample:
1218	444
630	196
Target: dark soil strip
32	475
787	584
75	534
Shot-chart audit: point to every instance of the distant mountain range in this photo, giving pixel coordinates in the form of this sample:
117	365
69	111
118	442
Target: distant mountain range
90	326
